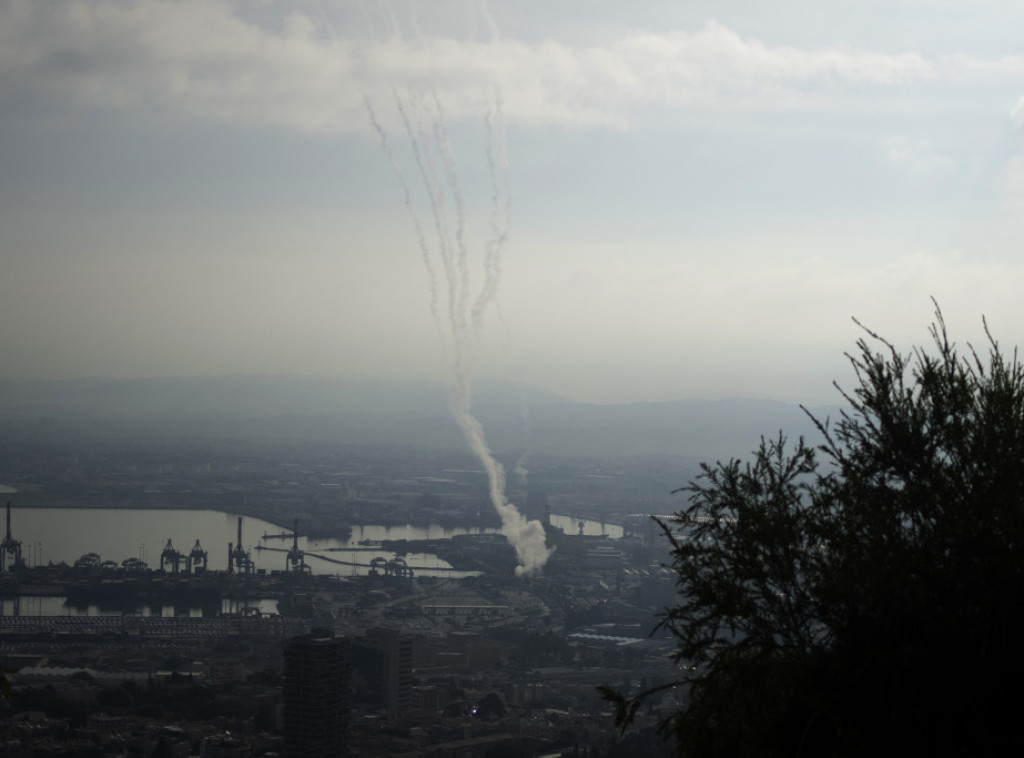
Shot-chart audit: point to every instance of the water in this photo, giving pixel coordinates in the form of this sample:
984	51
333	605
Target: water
55	535
571	525
65	534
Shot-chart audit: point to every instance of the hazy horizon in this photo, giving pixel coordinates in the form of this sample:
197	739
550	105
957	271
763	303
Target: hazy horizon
483	383
701	195
517	420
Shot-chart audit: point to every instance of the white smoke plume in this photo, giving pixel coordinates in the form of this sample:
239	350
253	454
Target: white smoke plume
422	115
521	471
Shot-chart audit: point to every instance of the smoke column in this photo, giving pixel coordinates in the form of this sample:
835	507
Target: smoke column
423	119
521	471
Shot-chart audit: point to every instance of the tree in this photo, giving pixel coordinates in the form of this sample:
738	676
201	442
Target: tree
115	696
490	705
862	596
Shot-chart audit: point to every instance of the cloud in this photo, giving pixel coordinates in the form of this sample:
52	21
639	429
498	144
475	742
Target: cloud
201	59
917	155
966	66
763	321
1017	114
1013	200
194	58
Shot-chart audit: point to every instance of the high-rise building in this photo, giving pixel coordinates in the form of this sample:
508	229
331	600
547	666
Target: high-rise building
317	695
383	659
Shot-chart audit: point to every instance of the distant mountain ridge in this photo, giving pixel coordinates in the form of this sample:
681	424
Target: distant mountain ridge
516	417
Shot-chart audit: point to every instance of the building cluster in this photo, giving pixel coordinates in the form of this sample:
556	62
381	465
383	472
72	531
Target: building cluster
383	665
288	663
328	488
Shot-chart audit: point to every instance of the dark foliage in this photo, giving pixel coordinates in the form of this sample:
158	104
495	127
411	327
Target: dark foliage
643	744
514	748
868	603
491	705
53	704
115	697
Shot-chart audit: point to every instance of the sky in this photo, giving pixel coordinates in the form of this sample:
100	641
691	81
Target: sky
655	200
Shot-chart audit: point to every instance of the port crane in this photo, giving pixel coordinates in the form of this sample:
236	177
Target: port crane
10	548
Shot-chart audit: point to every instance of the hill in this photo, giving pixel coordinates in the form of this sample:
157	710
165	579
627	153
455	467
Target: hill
389	412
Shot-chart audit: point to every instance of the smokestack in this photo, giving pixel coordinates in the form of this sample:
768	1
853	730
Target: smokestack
239	533
295	535
8	519
231	557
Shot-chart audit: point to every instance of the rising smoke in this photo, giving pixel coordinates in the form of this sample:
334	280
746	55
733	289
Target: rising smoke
447	250
520	470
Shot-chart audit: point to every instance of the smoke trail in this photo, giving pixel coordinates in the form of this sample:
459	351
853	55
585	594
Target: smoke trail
497	166
390	18
427	131
527	537
522	473
419	140
492	26
452	176
414	22
520	470
421	239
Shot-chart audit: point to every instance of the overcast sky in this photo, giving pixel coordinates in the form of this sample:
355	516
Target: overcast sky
702	194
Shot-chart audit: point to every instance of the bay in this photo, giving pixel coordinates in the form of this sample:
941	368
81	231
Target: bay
56	535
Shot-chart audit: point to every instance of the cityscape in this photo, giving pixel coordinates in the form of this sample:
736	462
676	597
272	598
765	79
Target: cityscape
510	379
455	657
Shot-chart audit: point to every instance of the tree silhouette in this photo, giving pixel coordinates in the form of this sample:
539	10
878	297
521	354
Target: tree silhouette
490	705
864	596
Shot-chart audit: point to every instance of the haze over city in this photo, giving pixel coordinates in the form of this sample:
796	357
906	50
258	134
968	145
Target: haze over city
702	194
